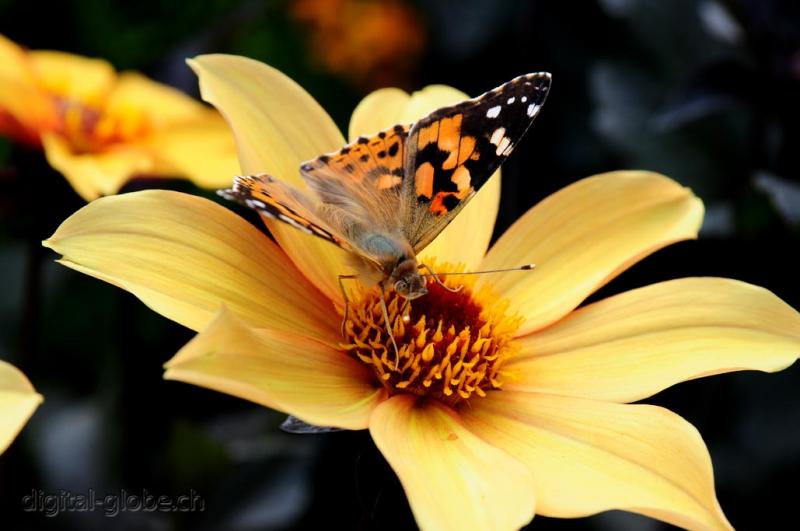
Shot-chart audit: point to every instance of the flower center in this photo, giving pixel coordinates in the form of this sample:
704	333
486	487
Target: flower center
451	346
90	129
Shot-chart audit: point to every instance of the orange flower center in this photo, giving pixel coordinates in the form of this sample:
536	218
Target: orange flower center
90	129
451	346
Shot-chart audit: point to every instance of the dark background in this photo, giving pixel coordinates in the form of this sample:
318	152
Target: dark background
703	91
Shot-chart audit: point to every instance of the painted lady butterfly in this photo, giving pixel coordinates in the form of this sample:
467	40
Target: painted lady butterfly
385	197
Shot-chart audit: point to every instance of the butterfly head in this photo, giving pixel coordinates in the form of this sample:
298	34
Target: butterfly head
408	283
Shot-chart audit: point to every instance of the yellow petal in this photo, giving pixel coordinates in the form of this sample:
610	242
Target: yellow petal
203	151
378	111
19	94
73	77
18	401
453	479
185	256
425	101
466	239
134	93
95	174
633	345
587	456
277	125
13	62
584	235
281	370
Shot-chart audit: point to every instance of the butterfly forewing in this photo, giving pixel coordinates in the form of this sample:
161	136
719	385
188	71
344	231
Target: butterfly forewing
375	161
453	151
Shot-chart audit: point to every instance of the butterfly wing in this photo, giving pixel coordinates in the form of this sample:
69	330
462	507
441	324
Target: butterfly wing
277	200
407	182
363	178
355	196
453	151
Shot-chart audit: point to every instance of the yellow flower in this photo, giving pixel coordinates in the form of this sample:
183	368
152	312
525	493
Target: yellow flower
99	128
554	433
18	401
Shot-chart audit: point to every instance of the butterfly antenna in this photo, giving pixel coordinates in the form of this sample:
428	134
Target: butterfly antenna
431	273
526	267
389	328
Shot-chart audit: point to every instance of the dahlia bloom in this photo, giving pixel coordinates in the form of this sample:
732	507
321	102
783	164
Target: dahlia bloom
99	128
509	399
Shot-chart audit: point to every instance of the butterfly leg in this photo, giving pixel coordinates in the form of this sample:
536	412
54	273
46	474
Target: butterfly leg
403	310
439	281
389	327
346	300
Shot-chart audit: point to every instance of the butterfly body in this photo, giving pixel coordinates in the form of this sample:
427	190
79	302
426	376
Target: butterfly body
383	198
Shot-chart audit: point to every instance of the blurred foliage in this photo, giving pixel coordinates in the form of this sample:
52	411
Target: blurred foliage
702	90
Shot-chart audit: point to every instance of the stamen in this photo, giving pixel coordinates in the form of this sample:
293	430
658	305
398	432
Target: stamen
451	343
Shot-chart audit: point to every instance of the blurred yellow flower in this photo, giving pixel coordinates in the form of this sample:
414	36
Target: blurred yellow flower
99	128
372	44
508	400
18	401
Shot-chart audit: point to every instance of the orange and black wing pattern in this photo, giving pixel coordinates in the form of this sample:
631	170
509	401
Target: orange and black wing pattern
453	151
376	161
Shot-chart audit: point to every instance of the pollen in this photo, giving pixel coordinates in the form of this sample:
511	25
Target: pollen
452	345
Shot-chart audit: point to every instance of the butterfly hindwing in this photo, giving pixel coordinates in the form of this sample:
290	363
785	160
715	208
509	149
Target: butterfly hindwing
279	201
453	151
362	181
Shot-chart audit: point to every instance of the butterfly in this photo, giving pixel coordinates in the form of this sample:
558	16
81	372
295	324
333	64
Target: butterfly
384	197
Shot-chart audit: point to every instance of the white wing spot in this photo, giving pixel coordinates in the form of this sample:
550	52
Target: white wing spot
498	135
256	203
501	147
524	99
294	223
531	109
511	100
493	112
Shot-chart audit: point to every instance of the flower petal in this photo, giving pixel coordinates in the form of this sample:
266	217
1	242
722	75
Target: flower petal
18	401
203	151
588	456
20	97
185	256
584	235
95	174
425	101
453	479
162	104
466	239
13	62
378	111
284	371
633	345
73	77
277	125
